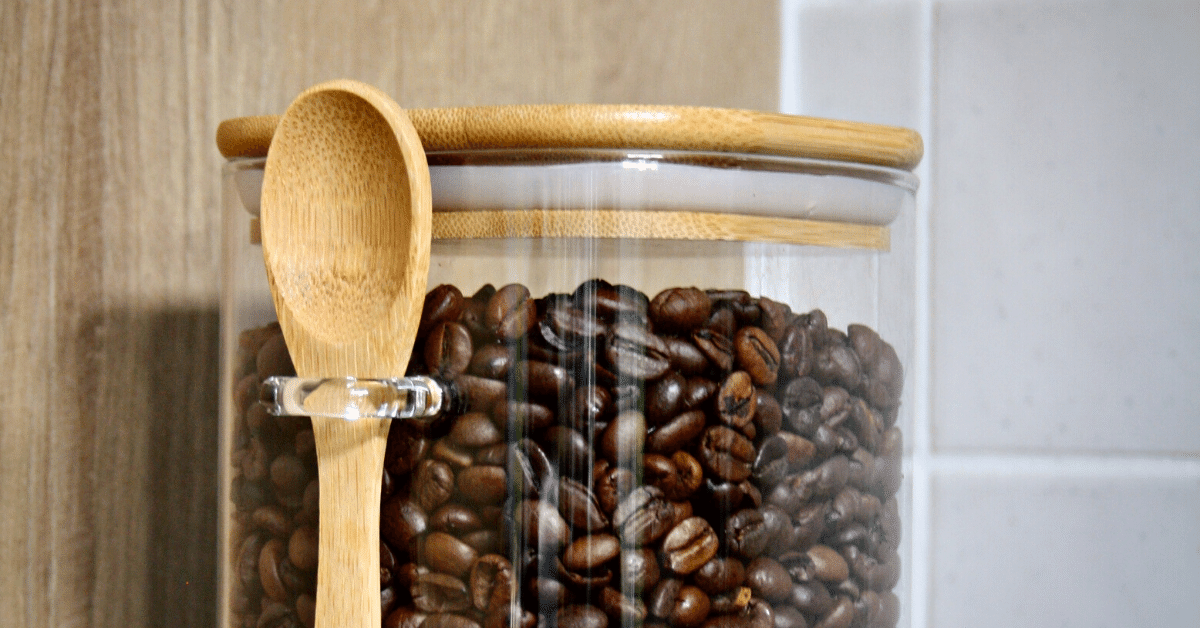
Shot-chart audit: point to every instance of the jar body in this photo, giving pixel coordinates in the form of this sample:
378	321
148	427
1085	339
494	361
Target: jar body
657	427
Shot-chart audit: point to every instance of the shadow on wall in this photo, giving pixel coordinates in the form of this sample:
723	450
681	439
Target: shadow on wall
177	359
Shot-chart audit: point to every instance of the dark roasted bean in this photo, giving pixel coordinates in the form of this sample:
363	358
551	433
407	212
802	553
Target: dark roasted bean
445	553
448	349
439	592
581	616
642	517
443	303
737	400
676	433
590	552
720	574
634	352
579	506
689	545
510	312
490	583
679	310
757	354
746	533
726	454
768	579
638	569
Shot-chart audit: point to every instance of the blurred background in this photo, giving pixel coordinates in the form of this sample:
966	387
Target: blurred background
1055	457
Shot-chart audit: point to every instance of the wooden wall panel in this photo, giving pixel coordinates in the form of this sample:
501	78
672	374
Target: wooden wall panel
109	259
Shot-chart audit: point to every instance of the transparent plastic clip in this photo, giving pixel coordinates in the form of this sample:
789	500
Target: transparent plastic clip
349	398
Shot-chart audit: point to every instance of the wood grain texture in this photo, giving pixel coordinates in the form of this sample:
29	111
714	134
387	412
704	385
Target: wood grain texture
110	256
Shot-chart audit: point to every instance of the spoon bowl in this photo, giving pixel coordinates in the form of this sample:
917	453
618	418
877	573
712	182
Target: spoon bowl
345	218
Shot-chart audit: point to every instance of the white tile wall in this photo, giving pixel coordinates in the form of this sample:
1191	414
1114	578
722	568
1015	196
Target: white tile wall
1056	439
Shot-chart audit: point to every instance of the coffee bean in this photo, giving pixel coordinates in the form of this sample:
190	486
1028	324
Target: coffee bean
746	533
787	616
643	517
716	347
492	361
737	400
272	554
447	554
665	398
542	526
590	552
490	583
768	579
679	310
689	545
691	607
622	609
302	548
571	451
474	430
448	620
581	616
438	592
757	354
676	433
401	521
454	455
433	483
273	358
841	615
726	454
638	570
633	352
613	484
624	439
510	312
685	357
448	349
442	304
579	506
403	617
522	417
481	393
719	574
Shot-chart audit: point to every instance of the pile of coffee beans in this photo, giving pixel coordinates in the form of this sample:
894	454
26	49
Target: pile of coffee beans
699	458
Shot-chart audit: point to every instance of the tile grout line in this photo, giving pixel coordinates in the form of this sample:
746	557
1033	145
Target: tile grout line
920	582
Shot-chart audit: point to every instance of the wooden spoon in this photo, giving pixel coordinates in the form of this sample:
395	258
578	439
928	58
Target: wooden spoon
346	212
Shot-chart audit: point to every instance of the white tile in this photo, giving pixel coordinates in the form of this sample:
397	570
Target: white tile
860	61
1036	551
1066	225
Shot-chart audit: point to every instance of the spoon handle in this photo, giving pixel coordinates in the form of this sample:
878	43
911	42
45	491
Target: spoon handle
348	565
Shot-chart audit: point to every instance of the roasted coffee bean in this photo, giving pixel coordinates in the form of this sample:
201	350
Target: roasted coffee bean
474	430
289	475
579	506
542	526
676	433
613	484
717	347
801	403
565	327
665	398
543	380
438	593
492	361
643	517
771	463
720	574
685	357
442	304
387	564
722	321
840	616
688	476
737	400
632	351
445	553
445	451
780	537
404	617
624	438
570	451
819	562
836	363
490	583
448	349
302	548
590	552
272	554
273	358
522	417
679	310
510	312
811	598
272	519
481	393
593	405
883	374
638	570
581	616
401	521
726	454
433	483
689	545
787	616
622	609
768	579
546	592
757	354
796	352
485	541
449	620
746	533
583	581
691	607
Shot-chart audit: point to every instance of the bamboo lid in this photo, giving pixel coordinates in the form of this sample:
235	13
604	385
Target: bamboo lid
628	126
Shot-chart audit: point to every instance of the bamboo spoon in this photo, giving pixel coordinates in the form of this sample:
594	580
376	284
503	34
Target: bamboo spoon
346	214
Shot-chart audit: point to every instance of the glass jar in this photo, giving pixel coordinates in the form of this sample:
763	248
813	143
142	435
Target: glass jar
672	341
